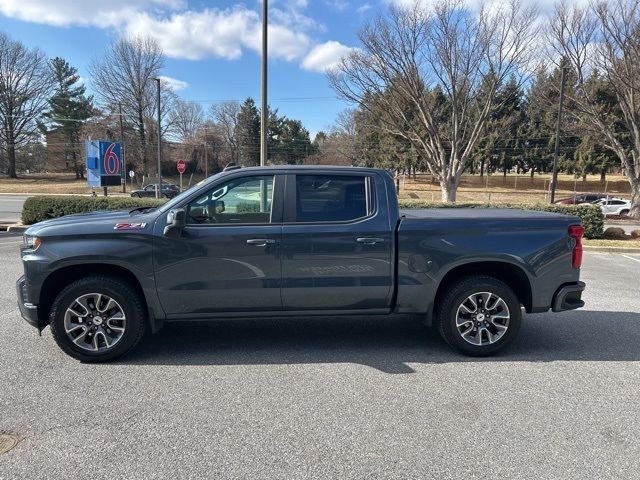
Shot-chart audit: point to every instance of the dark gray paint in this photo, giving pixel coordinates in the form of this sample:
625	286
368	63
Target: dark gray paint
211	271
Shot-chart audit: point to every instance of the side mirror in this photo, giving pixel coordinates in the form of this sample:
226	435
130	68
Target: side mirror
176	220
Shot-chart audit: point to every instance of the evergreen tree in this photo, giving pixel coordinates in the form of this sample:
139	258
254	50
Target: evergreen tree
248	133
69	107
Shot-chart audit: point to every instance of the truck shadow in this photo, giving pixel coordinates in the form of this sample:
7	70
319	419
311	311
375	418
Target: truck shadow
389	345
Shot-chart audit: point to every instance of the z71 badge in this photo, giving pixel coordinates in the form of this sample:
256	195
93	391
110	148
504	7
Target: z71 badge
129	226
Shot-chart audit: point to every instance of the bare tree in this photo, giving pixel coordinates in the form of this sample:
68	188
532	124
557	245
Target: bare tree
186	118
431	75
603	41
123	75
225	115
25	84
342	139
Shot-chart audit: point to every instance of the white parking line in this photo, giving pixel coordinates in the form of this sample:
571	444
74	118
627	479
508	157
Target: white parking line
632	258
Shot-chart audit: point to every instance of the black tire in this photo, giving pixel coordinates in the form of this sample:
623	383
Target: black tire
135	195
624	213
120	291
447	312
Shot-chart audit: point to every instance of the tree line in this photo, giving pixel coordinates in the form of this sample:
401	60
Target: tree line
46	115
438	86
451	89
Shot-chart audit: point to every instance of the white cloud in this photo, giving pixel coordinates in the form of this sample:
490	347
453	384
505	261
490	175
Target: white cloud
173	83
100	13
363	8
218	33
340	5
197	35
325	56
192	34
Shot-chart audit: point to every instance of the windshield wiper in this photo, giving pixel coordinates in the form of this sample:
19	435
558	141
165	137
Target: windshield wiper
142	209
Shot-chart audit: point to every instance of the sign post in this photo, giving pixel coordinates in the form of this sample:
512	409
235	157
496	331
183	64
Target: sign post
131	175
182	167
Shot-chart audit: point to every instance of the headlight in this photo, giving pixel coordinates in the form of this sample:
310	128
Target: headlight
32	241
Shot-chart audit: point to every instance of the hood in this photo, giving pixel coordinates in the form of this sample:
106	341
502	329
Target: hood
94	222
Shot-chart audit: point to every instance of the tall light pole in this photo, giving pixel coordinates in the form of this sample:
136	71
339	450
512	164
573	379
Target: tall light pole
159	186
264	115
554	175
124	161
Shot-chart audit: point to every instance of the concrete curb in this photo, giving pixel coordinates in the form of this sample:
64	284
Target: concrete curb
13	227
599	249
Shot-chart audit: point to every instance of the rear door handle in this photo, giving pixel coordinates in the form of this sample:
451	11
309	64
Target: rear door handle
260	242
369	240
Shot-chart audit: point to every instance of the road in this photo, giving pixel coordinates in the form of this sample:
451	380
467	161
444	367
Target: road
11	207
309	398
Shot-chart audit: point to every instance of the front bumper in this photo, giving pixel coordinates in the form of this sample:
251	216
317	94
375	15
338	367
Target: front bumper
568	297
28	311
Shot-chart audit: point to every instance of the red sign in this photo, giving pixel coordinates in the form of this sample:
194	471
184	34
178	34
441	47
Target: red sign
111	161
182	167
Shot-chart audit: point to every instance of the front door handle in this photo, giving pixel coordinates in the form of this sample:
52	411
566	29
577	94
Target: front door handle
369	240
260	242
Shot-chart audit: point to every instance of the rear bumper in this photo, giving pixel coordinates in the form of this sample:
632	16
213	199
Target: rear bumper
28	311
568	297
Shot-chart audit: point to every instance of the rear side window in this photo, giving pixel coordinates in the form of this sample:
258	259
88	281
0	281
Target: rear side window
332	198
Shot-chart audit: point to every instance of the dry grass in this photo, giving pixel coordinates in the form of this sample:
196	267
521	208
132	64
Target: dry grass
64	183
612	243
513	189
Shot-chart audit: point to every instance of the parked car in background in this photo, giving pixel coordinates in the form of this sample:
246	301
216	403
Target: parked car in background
581	198
613	206
168	191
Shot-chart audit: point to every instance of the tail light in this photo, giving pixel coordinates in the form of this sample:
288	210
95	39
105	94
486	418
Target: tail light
576	232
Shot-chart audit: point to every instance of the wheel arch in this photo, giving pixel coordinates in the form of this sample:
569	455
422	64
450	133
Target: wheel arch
512	275
57	280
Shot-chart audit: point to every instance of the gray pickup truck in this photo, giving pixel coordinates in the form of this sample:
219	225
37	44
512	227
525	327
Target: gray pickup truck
295	241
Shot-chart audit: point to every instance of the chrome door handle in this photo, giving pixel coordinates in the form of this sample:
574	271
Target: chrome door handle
369	240
260	242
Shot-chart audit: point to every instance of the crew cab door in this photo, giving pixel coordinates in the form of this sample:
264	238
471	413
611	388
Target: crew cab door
337	243
227	258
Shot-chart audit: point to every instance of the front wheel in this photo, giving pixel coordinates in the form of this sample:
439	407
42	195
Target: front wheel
97	318
624	213
478	315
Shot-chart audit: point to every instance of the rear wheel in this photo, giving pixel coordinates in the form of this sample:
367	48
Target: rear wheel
97	318
478	315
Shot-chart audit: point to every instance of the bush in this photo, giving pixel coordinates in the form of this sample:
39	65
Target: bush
615	233
635	233
40	208
591	215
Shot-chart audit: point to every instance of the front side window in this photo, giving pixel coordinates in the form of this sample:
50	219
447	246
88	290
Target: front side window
244	200
332	198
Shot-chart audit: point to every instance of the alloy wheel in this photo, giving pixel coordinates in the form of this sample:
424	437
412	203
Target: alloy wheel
482	318
95	322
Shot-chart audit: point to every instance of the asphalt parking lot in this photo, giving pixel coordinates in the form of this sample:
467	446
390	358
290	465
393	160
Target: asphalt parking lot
333	399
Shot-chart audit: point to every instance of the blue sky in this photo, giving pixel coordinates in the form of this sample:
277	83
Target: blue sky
212	48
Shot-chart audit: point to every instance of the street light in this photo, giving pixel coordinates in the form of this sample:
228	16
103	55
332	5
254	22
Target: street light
264	117
159	186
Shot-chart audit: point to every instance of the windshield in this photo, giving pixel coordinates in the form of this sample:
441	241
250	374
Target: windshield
178	198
